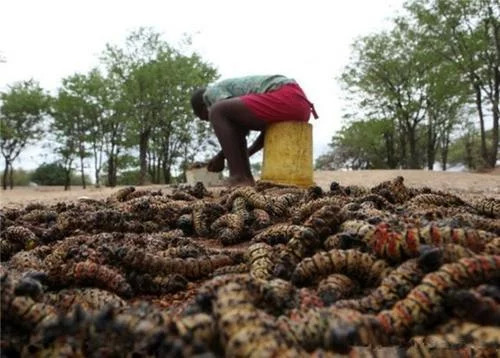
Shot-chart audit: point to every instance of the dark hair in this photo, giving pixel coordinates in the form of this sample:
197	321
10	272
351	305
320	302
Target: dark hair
197	100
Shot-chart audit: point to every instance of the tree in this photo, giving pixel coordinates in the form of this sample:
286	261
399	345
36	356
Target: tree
156	81
466	34
22	112
385	79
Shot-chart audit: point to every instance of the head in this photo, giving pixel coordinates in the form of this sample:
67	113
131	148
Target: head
199	107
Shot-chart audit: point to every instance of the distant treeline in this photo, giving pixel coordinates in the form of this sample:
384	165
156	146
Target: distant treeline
131	111
425	91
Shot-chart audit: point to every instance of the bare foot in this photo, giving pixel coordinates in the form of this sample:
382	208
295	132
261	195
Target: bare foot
240	181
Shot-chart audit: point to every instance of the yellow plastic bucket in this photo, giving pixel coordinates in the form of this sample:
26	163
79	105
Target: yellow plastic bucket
288	156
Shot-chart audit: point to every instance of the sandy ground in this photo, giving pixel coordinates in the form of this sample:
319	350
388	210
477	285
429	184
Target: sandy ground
466	184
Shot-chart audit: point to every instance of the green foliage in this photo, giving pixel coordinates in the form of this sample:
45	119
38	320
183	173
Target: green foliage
22	111
54	174
422	77
129	177
20	177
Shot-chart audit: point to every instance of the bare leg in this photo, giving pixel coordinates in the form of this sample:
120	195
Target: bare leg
231	120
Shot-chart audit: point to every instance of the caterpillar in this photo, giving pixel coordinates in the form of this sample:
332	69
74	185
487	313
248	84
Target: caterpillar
120	195
472	306
22	310
191	268
259	260
349	262
488	207
184	251
397	245
392	288
305	210
493	247
88	272
199	191
233	269
88	298
185	223
260	219
243	329
317	227
182	195
200	327
434	199
229	229
19	238
466	333
378	200
252	197
40	216
393	190
204	214
277	234
145	283
478	222
279	206
275	295
336	287
431	258
334	329
300	245
424	302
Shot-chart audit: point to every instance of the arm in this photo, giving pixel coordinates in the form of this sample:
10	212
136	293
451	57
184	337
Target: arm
257	145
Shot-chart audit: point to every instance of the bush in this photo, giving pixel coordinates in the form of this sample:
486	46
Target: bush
20	177
130	177
54	174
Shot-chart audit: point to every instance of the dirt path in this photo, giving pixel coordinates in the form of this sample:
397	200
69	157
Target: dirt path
466	184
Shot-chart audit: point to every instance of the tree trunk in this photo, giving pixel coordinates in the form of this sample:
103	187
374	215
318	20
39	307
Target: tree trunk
82	171
431	142
5	175
143	160
67	180
479	106
11	176
413	149
158	170
111	171
166	173
444	151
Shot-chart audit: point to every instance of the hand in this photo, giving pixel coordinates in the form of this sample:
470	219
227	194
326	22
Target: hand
216	164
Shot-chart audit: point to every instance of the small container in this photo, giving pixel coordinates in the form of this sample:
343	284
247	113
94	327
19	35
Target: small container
196	174
288	154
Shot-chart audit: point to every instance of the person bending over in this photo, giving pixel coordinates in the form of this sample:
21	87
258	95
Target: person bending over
237	105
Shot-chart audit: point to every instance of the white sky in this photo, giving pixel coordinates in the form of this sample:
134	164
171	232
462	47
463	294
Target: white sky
308	40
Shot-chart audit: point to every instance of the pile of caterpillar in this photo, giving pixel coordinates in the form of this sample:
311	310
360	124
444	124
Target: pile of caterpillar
269	270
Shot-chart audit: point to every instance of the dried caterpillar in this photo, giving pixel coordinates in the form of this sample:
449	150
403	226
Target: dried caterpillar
259	259
204	214
87	298
334	329
229	228
489	207
336	287
200	327
277	234
145	283
472	306
378	200
251	196
464	334
39	216
318	226
88	272
434	199
16	238
233	269
120	195
191	268
392	288
393	190
493	247
479	223
302	212
398	245
349	262
244	330
424	302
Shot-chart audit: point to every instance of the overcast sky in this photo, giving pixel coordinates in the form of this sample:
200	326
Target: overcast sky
308	40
